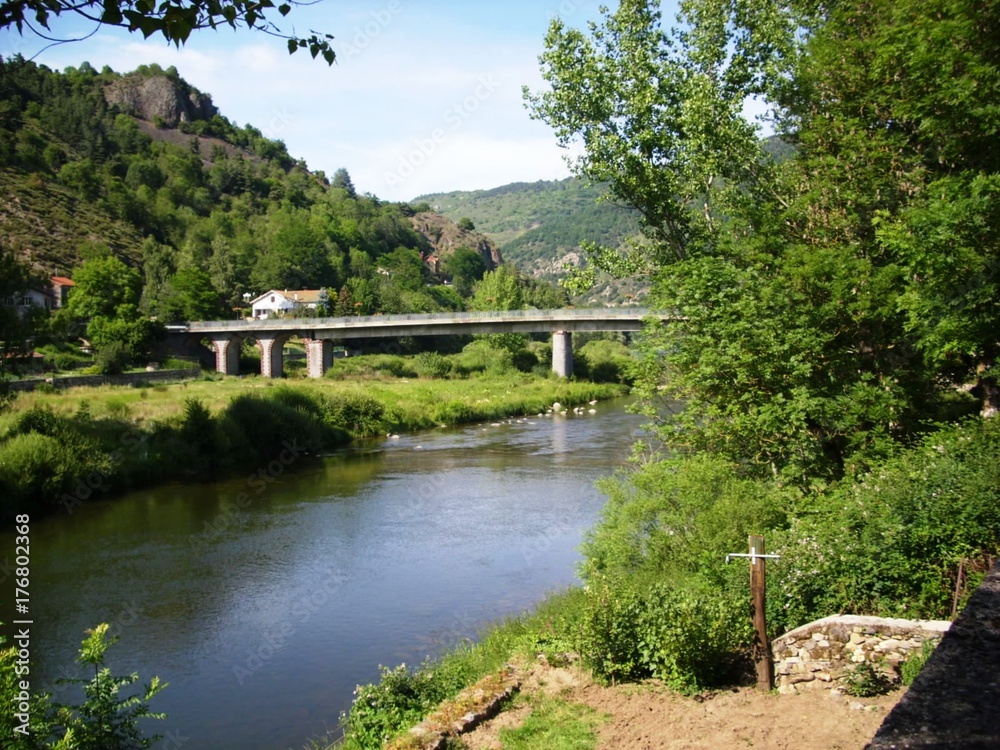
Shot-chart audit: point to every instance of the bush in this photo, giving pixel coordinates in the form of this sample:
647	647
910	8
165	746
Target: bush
914	663
695	641
37	469
604	361
357	414
398	700
256	427
432	365
480	356
690	641
891	542
866	681
372	366
610	637
112	359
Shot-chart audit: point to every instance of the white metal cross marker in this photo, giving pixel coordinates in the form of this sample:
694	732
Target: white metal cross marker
753	555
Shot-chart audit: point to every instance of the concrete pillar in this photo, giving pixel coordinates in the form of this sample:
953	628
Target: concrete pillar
562	353
272	355
319	356
227	353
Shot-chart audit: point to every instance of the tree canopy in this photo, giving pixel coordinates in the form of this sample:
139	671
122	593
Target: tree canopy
838	300
174	20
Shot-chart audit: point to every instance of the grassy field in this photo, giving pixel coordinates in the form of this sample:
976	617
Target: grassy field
410	403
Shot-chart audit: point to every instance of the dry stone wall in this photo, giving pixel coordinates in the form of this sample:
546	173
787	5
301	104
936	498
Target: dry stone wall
821	654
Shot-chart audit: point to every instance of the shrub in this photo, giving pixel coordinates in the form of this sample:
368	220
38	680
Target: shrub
356	413
892	541
480	356
610	638
112	359
37	468
432	365
398	700
914	663
38	419
866	681
694	641
604	361
256	427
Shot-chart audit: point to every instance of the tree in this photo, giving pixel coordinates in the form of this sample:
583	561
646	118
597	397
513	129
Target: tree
660	114
190	296
792	353
17	323
342	180
174	20
102	285
465	267
500	290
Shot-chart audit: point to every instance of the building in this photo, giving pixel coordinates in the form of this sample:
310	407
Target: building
275	303
51	298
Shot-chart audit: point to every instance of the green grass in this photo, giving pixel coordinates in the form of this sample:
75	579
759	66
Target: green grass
411	404
553	724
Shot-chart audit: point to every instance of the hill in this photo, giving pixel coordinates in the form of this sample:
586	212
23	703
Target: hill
144	167
539	226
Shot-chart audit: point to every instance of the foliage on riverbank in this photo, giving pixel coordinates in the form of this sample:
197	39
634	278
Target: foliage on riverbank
660	600
57	450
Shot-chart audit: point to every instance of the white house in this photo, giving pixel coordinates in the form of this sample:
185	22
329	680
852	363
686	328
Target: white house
48	298
275	303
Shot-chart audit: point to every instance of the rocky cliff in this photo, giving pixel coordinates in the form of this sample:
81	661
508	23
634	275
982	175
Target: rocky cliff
446	237
158	96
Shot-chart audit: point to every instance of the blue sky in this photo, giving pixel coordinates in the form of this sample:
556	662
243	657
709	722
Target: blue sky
425	96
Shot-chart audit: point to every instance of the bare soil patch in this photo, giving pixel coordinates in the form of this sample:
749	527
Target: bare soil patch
650	717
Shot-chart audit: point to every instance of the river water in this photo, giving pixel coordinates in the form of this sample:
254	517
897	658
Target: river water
263	618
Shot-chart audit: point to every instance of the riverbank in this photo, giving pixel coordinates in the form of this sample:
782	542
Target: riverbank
60	449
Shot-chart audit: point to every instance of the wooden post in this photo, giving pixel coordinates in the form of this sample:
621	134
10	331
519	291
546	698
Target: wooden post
758	588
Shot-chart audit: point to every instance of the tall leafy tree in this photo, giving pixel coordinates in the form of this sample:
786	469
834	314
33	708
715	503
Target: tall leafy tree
818	302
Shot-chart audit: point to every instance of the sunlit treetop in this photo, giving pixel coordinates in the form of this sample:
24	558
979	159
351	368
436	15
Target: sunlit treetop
174	20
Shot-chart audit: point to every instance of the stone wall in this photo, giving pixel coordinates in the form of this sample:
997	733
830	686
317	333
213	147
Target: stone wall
820	655
131	378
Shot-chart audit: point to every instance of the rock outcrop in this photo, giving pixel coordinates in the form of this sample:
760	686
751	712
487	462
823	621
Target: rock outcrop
446	237
160	97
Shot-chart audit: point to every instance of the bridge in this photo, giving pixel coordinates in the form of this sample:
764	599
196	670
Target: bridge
318	334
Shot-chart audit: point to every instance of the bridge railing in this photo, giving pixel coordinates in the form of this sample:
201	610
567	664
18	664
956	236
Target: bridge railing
628	313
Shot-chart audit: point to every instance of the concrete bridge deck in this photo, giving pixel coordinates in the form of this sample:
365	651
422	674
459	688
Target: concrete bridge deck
319	333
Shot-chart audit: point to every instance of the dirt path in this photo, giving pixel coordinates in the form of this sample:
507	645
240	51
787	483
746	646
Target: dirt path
648	717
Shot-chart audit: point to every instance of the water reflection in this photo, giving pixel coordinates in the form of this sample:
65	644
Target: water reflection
264	613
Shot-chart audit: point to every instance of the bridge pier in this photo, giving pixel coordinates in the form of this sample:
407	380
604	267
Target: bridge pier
319	356
227	353
272	354
562	353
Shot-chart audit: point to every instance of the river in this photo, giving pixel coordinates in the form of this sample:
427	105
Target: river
264	603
